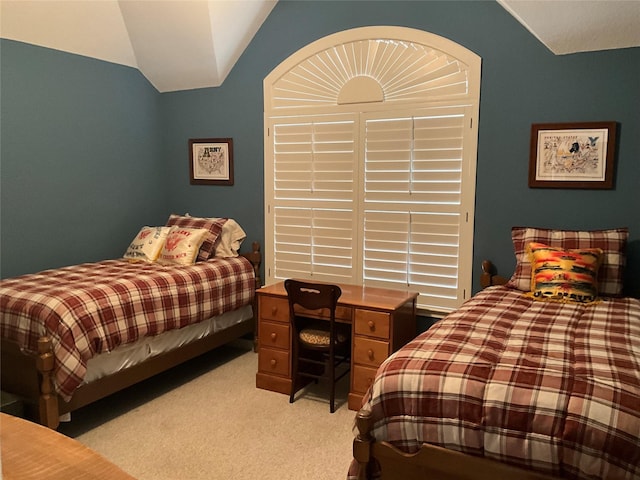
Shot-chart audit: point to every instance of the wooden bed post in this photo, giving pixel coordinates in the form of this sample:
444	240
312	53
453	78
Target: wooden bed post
363	442
488	276
48	401
255	257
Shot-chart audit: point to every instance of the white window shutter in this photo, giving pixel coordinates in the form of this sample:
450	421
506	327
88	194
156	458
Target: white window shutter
413	203
314	164
370	157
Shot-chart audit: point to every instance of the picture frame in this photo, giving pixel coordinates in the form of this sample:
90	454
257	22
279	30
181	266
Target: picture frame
211	161
572	155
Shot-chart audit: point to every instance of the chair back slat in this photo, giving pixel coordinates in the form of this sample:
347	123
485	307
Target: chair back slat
312	296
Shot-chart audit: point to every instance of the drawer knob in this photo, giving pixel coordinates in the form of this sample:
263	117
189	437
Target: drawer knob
372	325
370	354
274	310
274	362
274	335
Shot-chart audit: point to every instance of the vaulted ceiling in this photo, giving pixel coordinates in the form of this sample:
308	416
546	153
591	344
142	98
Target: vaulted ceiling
182	45
177	45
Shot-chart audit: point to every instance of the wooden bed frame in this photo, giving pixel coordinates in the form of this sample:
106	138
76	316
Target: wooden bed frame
31	376
431	462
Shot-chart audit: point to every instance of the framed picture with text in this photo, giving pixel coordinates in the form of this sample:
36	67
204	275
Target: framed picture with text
572	155
211	161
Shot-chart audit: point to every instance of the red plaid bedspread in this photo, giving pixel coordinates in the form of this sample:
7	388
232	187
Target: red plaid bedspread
553	387
95	307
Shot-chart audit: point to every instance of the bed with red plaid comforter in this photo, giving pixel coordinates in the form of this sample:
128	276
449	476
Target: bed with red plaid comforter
93	308
551	387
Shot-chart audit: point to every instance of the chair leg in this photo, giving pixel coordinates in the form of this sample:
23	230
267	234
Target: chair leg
332	379
294	373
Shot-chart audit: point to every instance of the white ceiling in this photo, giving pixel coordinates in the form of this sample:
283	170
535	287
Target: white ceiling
187	44
176	44
570	26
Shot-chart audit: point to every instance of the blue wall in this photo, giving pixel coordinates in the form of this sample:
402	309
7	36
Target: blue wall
522	83
80	158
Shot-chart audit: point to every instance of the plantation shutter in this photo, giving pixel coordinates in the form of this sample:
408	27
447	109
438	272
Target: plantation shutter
313	207
370	155
413	206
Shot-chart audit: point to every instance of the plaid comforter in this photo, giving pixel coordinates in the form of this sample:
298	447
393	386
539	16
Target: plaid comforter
93	308
553	387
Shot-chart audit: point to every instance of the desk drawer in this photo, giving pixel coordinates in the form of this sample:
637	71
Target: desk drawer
367	351
274	335
362	378
273	361
372	323
343	314
276	309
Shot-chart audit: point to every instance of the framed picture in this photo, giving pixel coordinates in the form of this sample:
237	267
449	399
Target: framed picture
211	161
572	155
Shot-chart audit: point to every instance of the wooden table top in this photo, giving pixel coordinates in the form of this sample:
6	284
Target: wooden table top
356	295
31	451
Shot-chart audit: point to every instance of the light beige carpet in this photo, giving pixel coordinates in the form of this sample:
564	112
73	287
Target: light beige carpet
206	420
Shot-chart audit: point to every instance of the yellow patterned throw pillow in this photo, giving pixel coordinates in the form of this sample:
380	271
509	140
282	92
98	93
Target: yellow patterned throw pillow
182	245
564	275
147	244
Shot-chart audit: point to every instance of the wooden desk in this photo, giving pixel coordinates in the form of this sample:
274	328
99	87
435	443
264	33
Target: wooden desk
382	321
33	452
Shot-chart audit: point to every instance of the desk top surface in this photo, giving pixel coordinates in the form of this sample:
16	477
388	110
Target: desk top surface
357	295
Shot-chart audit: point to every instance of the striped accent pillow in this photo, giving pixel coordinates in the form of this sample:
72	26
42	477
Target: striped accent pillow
564	275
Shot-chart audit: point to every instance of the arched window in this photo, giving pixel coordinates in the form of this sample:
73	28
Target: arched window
370	160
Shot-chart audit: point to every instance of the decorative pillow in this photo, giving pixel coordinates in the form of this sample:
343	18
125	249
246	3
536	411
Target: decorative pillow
564	275
213	225
229	240
612	242
147	244
182	245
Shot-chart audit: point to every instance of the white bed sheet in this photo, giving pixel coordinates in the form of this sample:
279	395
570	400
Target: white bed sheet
132	354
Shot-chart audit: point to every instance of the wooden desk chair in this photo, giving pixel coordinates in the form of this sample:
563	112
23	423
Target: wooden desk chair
318	347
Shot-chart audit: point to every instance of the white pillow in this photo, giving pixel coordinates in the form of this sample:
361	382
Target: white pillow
147	245
228	242
182	245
